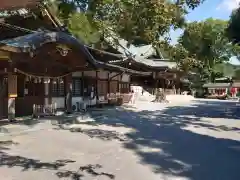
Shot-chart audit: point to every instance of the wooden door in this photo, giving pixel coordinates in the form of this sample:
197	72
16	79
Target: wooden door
113	87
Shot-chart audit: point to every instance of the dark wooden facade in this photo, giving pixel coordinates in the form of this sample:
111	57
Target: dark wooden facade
33	91
29	56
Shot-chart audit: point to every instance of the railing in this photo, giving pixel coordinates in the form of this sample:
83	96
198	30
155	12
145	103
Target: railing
114	98
44	110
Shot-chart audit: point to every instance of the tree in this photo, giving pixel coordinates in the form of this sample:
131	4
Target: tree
207	43
237	74
130	19
233	28
79	26
77	22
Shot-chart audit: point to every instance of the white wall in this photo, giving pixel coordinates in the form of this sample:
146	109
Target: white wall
103	74
114	74
125	78
90	73
77	74
60	101
80	100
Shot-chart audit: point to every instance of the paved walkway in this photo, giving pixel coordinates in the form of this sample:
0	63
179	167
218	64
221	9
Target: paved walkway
198	140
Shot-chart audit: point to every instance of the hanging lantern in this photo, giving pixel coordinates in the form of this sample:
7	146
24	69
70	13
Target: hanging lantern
5	79
26	78
35	80
39	80
54	81
45	80
61	81
48	81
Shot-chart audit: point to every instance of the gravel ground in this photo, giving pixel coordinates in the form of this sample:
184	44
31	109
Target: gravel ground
148	141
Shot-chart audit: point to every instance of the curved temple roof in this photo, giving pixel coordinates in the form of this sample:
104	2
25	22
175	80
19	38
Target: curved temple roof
30	43
16	4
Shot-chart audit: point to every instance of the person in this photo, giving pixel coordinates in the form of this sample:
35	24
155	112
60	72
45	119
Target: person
233	92
133	97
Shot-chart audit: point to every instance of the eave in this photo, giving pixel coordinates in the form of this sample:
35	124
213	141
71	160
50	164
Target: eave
31	43
17	4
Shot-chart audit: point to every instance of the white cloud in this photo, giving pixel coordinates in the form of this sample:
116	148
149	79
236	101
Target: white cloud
228	5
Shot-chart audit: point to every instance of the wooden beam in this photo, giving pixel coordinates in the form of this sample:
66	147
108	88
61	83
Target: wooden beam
110	78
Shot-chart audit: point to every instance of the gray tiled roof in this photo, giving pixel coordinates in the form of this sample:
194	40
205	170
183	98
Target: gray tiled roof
236	84
31	42
216	85
139	54
156	62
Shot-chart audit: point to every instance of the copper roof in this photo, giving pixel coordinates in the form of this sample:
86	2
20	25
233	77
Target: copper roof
17	4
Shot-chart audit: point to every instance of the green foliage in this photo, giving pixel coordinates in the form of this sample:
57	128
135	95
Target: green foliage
227	69
79	26
237	73
233	28
77	22
206	42
130	19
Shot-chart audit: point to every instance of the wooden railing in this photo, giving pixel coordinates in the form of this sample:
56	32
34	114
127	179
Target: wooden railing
115	98
44	110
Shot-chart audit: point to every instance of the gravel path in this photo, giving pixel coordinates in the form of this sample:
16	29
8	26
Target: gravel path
198	140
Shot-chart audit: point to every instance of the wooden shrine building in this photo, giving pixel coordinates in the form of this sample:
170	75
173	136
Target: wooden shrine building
41	63
162	73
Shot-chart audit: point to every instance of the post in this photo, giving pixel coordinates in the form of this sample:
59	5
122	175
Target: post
68	92
96	89
12	94
47	99
108	83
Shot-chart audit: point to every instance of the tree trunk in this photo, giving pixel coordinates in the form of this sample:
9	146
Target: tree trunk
160	95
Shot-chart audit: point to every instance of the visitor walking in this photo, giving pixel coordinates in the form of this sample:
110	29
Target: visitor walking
133	97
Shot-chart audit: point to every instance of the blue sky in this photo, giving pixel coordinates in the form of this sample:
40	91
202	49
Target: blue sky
219	9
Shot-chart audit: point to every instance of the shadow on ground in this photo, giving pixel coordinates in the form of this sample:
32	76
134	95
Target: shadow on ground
161	141
26	121
26	164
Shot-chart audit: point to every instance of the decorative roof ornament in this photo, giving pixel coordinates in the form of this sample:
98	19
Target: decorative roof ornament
62	49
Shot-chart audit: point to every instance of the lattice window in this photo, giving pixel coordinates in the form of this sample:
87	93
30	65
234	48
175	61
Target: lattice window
102	87
58	89
77	87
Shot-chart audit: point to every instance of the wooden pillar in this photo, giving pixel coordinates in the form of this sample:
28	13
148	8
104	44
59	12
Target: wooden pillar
83	88
163	82
12	95
174	87
156	83
96	87
68	93
178	85
47	92
108	83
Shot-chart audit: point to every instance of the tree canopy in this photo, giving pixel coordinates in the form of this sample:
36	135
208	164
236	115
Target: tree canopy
233	28
130	19
207	43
